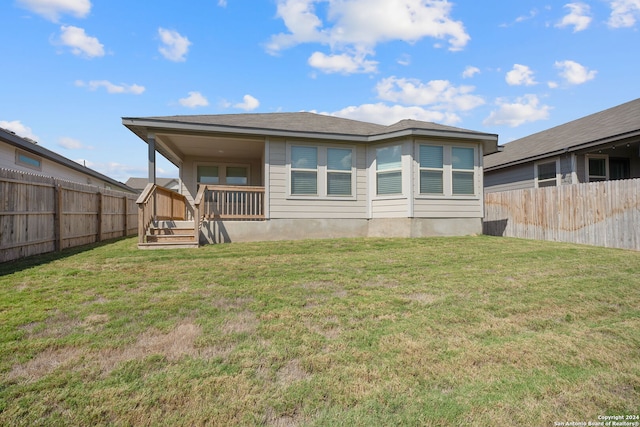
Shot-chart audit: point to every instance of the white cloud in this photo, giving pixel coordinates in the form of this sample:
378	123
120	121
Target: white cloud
248	103
53	9
194	100
118	171
80	43
111	87
624	13
470	72
575	73
578	17
520	75
439	94
174	46
222	3
72	144
387	115
18	128
523	110
404	59
343	63
357	26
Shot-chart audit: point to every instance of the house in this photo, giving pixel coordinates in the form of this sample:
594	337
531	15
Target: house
139	184
304	175
25	155
601	146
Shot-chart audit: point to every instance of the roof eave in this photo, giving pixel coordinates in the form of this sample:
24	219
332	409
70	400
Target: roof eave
570	149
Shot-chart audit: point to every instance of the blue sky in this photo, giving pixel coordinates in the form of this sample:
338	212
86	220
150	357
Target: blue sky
72	69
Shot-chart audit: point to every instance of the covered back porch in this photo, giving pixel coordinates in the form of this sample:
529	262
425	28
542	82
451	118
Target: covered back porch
221	179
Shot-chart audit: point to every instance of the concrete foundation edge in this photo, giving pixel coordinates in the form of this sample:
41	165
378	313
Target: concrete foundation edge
298	229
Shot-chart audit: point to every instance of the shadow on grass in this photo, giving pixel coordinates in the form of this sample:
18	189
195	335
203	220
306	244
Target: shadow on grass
10	267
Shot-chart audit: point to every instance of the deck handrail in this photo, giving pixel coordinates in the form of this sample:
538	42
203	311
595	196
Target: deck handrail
156	203
232	202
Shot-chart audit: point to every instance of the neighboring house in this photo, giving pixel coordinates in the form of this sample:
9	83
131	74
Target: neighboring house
599	147
139	184
25	155
304	175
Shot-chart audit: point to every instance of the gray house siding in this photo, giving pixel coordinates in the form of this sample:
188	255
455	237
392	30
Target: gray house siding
511	178
284	206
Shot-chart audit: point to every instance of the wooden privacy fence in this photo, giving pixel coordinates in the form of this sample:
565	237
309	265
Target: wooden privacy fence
40	214
599	213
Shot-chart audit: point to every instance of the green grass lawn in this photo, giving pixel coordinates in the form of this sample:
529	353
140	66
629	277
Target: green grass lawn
442	331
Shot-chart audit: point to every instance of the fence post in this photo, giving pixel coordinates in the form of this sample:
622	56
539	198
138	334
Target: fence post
99	224
57	215
126	219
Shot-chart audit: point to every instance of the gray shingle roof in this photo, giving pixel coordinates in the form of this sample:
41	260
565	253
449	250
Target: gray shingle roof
613	123
306	122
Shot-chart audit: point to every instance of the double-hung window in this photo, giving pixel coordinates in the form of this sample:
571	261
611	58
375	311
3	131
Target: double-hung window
462	170
339	171
320	171
431	159
546	174
597	168
389	170
304	170
445	170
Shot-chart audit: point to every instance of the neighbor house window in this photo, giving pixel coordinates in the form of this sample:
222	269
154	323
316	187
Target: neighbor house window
546	174
28	160
389	170
462	170
304	170
597	168
431	158
339	171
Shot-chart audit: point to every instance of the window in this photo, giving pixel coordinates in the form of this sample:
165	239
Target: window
208	175
462	171
546	174
431	160
321	171
597	168
446	170
236	175
28	160
304	170
389	170
338	172
221	174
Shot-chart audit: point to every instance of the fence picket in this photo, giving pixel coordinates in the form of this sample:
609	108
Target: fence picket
599	213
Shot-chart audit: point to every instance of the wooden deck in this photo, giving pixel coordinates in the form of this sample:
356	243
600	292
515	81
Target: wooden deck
167	220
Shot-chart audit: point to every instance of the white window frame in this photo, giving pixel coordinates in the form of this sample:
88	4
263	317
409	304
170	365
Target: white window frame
542	162
447	172
587	172
30	156
322	170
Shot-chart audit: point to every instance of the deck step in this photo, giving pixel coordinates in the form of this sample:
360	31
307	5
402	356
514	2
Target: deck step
168	245
170	234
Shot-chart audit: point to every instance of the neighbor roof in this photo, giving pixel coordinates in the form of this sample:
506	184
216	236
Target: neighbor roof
607	126
141	183
31	146
305	123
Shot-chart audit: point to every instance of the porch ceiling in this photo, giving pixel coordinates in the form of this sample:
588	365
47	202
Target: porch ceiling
230	147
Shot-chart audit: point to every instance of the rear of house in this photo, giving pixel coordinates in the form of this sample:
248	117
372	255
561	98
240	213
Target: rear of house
599	147
304	175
